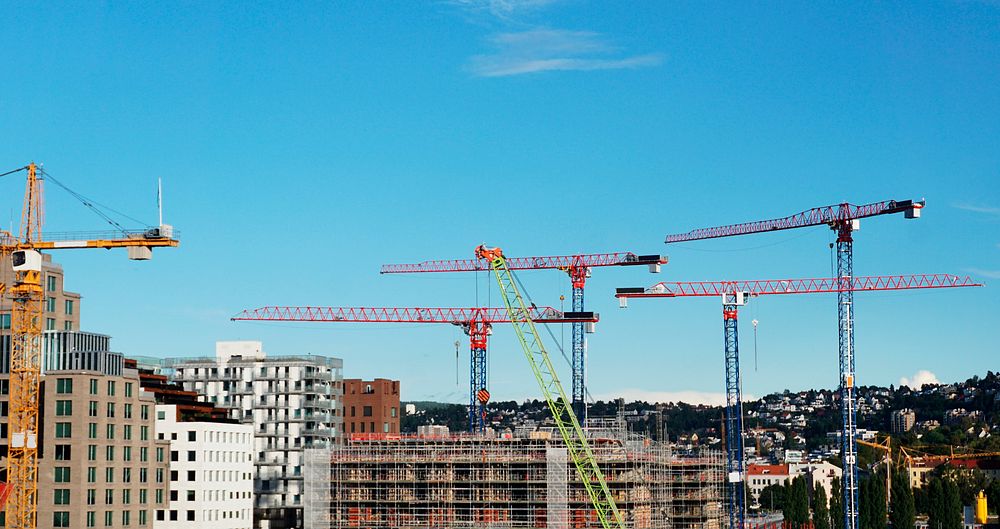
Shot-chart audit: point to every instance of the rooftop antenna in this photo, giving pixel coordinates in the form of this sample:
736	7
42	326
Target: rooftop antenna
159	199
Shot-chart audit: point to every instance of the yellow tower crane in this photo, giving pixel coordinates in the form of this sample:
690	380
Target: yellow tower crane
26	335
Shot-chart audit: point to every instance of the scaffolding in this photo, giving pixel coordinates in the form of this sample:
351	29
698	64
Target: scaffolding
383	481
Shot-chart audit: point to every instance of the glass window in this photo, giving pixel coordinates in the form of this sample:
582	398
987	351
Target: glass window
69	306
51	283
142	517
109	475
93	386
91	496
109	518
62	474
50	304
91	474
109	496
64	430
92	409
50	324
64	408
128	389
68	326
60	519
144	412
144	433
128	411
367	411
109	453
126	452
92	430
91	452
63	452
111	410
110	431
91	519
64	385
111	388
61	496
5	321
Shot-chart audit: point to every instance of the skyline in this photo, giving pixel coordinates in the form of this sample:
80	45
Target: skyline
303	147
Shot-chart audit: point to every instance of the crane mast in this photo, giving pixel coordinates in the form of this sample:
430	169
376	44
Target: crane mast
25	363
545	374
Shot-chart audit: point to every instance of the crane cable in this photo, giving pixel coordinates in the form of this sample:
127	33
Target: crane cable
548	329
92	204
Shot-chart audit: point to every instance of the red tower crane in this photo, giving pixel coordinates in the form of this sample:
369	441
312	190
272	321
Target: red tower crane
578	267
844	219
735	294
477	322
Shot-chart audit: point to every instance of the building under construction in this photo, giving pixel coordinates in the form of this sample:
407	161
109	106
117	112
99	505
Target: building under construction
380	481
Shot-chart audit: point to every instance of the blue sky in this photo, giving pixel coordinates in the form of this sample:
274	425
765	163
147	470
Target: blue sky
302	145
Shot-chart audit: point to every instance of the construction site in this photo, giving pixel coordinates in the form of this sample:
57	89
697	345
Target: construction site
379	481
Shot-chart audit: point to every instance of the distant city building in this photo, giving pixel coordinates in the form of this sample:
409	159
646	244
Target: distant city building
293	403
371	406
903	420
100	464
433	430
411	409
760	476
211	472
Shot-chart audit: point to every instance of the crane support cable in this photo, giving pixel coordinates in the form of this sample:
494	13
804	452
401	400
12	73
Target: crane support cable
541	365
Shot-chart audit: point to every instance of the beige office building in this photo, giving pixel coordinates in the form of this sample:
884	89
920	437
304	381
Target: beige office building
100	464
61	308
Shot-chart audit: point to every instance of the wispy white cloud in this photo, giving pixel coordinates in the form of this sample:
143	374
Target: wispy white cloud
540	50
504	9
992	274
975	208
690	397
919	379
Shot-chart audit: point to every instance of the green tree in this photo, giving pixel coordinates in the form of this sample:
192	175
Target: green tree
821	510
993	496
935	504
772	497
796	509
952	505
836	504
876	498
902	515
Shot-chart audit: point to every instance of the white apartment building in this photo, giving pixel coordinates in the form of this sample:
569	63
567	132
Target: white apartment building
293	403
211	473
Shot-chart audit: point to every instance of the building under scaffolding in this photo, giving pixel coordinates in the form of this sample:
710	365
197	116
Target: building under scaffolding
376	482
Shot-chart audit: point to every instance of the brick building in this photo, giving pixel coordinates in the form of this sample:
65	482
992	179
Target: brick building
371	406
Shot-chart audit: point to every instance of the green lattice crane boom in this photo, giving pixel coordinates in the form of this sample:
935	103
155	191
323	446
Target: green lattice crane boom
560	406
